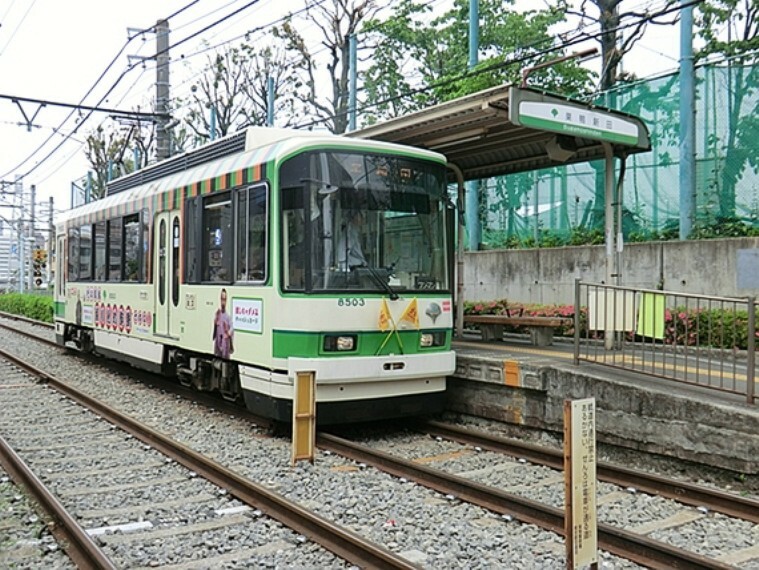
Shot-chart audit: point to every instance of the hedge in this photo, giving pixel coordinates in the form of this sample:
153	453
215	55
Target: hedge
39	307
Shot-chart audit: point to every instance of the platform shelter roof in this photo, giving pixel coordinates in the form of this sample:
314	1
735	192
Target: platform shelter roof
508	129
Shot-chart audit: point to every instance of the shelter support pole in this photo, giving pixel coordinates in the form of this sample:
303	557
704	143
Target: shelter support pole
609	242
472	194
459	300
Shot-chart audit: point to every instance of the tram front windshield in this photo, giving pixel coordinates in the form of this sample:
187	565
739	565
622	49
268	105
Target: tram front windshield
363	222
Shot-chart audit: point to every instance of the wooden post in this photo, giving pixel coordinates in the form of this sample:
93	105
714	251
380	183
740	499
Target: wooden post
580	523
304	417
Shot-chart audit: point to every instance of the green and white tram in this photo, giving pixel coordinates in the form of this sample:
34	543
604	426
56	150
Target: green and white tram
268	253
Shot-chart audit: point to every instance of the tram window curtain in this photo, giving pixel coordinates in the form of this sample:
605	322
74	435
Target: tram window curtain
144	245
114	249
100	246
193	222
73	244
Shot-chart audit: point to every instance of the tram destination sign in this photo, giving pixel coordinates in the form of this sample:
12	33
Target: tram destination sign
547	113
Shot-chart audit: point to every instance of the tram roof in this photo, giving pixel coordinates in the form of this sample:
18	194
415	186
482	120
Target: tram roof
508	129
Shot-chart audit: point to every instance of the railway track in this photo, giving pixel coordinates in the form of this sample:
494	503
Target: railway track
67	442
629	545
625	543
27	538
698	496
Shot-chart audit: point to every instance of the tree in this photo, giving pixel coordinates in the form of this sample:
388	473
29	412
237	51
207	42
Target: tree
337	20
730	30
418	63
618	31
219	95
106	151
234	84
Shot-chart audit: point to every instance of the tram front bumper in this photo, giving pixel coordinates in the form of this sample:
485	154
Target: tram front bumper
386	368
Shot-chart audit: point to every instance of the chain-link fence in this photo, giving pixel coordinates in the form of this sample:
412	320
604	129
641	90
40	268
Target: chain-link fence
565	205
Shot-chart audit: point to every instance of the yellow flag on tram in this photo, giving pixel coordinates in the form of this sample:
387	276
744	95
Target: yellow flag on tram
411	314
384	316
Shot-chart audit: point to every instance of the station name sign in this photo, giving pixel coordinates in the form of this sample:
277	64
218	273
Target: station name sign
540	111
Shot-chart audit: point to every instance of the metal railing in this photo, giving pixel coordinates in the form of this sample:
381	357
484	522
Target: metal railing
697	339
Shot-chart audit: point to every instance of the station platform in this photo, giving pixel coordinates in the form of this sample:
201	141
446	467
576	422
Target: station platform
518	383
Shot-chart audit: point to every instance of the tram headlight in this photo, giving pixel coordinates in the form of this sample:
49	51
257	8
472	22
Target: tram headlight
427	340
339	343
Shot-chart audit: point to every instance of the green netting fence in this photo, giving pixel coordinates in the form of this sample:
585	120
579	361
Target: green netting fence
565	205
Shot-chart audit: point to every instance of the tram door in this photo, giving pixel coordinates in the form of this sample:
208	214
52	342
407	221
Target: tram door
166	236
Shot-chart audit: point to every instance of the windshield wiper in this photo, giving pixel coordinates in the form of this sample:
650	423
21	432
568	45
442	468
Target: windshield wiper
326	187
382	283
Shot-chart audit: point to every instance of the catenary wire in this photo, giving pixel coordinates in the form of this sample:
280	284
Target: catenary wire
118	80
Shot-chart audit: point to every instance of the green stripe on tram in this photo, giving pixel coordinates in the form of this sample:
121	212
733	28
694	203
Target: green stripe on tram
372	343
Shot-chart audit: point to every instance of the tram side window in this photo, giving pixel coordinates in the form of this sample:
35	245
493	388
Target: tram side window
73	265
114	249
85	253
100	251
132	248
217	238
251	234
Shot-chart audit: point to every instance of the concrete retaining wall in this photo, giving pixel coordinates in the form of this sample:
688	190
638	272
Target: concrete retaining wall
646	415
724	267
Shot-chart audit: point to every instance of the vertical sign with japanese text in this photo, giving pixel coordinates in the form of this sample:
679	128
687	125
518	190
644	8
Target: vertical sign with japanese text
580	482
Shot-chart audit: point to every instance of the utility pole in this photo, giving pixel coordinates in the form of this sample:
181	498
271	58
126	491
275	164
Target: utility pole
473	186
353	59
270	94
32	240
687	120
20	230
163	146
51	242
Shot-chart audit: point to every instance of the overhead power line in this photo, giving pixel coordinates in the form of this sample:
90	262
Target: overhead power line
580	37
79	107
110	90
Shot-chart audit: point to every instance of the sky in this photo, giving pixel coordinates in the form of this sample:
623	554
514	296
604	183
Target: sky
57	50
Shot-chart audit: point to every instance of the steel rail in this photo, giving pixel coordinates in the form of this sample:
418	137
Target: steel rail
342	542
681	491
23	319
649	552
634	547
75	541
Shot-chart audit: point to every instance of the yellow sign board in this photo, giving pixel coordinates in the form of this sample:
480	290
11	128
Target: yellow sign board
304	417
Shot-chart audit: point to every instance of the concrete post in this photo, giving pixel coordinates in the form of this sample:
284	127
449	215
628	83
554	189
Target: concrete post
352	51
473	187
687	119
162	84
270	101
609	240
51	244
32	240
21	241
